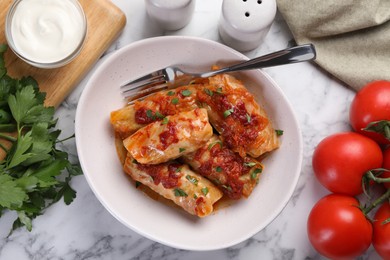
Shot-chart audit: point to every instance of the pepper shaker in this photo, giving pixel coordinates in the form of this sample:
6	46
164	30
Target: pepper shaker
170	14
244	23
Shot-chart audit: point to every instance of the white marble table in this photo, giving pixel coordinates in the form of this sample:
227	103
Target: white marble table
86	230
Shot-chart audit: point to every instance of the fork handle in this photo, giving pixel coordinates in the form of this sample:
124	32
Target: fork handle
291	55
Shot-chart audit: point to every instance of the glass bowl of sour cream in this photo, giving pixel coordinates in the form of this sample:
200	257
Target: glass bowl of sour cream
46	33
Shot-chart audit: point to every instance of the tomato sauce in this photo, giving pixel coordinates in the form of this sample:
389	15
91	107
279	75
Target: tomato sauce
168	174
238	128
141	116
168	136
224	168
163	104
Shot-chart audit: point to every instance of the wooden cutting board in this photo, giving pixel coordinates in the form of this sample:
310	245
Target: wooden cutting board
105	22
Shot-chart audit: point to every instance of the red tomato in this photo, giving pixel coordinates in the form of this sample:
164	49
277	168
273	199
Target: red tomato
337	228
386	165
340	161
381	238
371	103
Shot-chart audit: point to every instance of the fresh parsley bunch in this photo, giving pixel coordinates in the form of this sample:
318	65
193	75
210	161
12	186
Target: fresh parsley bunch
32	175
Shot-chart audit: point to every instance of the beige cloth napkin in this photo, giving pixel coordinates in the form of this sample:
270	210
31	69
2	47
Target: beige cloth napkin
352	37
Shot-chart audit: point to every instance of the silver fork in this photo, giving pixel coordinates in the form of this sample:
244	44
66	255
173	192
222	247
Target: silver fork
171	76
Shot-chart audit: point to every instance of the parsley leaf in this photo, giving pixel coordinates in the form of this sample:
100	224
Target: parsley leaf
249	164
175	101
23	143
228	112
25	220
255	173
279	132
179	193
186	92
209	92
248	118
149	113
192	179
214	143
21	102
11	196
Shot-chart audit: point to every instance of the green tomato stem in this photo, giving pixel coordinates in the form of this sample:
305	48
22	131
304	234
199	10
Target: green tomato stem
387	131
371	175
377	202
381	127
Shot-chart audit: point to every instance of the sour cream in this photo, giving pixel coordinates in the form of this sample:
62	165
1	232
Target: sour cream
47	31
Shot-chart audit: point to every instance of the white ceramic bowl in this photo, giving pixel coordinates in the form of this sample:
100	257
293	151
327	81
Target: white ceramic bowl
152	219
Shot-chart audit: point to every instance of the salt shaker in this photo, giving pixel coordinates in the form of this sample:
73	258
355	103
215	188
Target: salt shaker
170	14
244	23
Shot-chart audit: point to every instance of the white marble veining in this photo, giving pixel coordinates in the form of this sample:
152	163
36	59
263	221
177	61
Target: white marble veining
86	230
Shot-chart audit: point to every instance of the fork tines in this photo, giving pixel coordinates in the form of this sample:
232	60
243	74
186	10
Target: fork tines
144	86
136	94
143	81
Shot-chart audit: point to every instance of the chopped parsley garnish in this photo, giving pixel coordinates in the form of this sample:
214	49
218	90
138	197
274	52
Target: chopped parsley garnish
165	121
250	164
186	92
178	169
228	112
159	115
279	132
209	92
214	143
216	181
175	101
179	193
152	115
192	179
248	118
205	191
149	113
256	172
171	93
181	150
218	169
219	90
227	187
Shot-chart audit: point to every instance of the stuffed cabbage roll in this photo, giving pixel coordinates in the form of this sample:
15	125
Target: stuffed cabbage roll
236	176
243	124
176	182
170	138
129	119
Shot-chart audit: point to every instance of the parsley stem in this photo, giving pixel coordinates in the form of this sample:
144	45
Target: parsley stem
7	127
8	137
66	139
4	148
